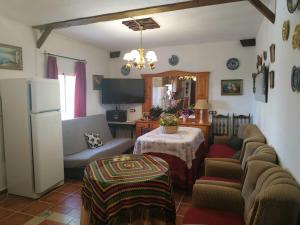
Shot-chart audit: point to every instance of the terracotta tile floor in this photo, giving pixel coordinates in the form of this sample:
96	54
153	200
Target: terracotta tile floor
61	207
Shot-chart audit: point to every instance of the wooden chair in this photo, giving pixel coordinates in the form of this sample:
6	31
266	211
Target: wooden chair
238	120
220	125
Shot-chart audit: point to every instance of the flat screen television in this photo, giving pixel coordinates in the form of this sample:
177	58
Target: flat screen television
123	91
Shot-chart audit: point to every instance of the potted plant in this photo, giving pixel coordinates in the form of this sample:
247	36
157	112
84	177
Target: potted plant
155	112
168	123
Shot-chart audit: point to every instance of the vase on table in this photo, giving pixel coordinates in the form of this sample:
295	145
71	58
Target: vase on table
168	123
169	129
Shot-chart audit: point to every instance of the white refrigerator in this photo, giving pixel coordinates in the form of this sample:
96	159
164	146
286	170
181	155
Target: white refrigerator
32	132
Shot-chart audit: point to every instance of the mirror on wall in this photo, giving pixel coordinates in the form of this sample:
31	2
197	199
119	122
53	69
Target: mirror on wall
170	91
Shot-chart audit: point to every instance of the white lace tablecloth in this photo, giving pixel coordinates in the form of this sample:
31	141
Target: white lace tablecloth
183	144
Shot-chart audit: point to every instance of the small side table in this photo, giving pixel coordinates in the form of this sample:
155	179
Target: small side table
116	125
127	189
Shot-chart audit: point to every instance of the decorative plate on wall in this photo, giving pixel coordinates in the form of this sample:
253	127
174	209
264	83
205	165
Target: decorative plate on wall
286	30
295	79
296	37
125	70
233	63
292	5
173	60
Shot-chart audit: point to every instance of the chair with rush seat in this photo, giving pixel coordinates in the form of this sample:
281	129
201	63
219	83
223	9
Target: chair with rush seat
237	121
220	125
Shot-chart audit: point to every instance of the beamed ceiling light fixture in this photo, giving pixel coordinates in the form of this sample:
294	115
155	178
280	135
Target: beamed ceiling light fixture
137	58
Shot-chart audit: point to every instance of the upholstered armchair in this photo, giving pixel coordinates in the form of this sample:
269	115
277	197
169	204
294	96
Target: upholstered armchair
234	168
248	133
269	196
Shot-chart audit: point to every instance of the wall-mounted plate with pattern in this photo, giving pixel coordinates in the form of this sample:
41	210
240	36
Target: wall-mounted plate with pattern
173	60
292	5
125	70
295	79
296	37
286	30
233	63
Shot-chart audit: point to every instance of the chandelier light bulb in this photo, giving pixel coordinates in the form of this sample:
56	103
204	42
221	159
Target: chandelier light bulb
135	54
151	56
127	57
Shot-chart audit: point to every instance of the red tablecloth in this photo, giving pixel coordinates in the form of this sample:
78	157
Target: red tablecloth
182	177
183	151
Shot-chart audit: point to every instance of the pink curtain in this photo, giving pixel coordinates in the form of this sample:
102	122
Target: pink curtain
80	90
52	71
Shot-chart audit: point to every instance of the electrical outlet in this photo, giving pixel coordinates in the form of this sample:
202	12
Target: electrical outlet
132	110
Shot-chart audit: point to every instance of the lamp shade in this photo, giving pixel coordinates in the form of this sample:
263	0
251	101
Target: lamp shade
128	57
201	104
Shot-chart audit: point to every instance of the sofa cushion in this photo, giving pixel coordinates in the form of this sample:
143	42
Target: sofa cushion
220	151
211	217
220	179
235	143
74	129
114	147
93	140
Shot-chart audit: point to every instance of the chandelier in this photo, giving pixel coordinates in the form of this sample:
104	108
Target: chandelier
187	78
137	58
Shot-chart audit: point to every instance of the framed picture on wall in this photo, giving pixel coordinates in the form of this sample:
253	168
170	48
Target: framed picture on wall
232	87
10	57
272	53
97	80
260	84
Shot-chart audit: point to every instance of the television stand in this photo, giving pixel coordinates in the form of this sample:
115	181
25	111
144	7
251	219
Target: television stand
127	125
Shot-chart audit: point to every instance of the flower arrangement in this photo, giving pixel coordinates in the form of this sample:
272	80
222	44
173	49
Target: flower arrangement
168	123
173	106
168	119
185	113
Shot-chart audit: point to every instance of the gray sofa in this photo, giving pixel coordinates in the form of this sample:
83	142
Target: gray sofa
76	152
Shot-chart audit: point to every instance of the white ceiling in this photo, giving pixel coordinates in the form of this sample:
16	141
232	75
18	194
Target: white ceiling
233	21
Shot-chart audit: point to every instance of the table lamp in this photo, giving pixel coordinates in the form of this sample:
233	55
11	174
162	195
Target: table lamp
201	104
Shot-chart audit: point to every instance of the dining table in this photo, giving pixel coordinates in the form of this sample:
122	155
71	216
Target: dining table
184	151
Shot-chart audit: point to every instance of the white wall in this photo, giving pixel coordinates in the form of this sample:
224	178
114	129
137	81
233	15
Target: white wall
211	57
279	118
14	33
97	61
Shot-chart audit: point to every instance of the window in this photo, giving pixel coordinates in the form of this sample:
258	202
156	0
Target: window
67	95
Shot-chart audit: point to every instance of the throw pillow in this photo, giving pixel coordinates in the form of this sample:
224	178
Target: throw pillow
235	143
93	140
237	155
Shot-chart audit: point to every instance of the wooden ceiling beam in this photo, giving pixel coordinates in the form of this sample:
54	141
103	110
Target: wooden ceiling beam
263	9
43	37
133	13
